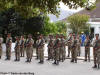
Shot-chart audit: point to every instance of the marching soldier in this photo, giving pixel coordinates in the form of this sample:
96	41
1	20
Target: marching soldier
87	48
56	50
29	48
1	41
8	46
96	47
17	49
74	50
50	48
22	47
41	49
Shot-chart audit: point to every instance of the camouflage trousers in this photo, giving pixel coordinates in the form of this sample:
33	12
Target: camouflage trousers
22	49
56	54
95	56
41	53
29	53
0	51
87	53
37	52
98	56
74	54
69	51
17	54
50	53
62	53
78	49
8	52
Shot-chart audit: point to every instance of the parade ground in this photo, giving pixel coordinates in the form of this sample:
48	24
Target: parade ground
64	68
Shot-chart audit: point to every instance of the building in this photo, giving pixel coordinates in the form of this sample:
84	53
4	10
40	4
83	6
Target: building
94	19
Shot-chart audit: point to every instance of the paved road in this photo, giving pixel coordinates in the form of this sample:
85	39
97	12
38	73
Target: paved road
65	68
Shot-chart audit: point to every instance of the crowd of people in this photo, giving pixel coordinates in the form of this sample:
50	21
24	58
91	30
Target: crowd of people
56	48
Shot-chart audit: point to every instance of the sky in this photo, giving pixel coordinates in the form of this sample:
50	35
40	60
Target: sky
65	12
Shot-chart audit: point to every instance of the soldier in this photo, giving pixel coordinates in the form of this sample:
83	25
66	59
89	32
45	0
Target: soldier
22	47
96	47
56	50
62	48
29	48
98	57
50	48
78	45
1	41
41	49
17	49
87	48
8	46
74	50
37	43
69	44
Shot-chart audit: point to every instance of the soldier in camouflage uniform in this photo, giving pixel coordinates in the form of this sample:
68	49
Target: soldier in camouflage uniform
1	41
74	50
56	50
41	49
69	44
96	47
22	47
29	48
62	48
8	46
17	49
37	43
87	48
98	57
78	45
50	48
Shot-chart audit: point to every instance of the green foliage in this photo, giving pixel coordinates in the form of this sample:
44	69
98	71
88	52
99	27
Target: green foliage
78	23
29	8
62	27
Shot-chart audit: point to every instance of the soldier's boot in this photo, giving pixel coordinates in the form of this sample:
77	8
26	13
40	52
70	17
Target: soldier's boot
95	66
75	60
72	60
57	62
27	60
54	62
41	61
0	57
85	60
15	59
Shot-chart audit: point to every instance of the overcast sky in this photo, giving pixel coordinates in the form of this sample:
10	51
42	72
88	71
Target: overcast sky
65	12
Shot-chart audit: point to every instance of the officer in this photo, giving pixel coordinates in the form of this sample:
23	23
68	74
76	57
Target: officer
41	49
50	48
17	49
87	48
8	46
29	48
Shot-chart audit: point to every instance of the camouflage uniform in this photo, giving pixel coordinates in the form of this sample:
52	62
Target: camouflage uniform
56	51
29	49
96	46
50	49
87	49
74	50
62	49
22	47
8	48
41	50
17	50
1	40
98	57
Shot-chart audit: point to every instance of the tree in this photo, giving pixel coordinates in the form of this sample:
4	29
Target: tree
62	27
28	8
78	23
49	28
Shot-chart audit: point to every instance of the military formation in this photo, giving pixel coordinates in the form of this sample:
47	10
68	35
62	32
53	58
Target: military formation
24	47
